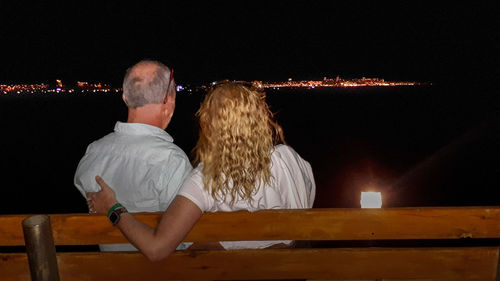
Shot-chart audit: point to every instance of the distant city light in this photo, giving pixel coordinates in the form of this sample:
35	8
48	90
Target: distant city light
88	87
371	200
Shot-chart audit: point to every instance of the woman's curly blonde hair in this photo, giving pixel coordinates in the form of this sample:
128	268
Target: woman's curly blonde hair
237	137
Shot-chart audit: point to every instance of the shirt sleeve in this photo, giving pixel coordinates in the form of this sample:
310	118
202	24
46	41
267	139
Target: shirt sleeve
85	166
295	177
77	181
193	190
174	174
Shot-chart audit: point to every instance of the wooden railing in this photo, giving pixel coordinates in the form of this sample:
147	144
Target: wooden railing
383	244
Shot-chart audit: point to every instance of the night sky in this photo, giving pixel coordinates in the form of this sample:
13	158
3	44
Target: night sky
273	40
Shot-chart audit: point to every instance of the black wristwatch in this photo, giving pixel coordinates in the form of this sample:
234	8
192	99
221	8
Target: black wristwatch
114	216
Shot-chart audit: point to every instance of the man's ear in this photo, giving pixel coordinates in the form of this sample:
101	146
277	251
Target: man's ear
124	100
169	99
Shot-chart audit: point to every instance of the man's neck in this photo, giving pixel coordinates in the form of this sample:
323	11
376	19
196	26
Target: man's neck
147	114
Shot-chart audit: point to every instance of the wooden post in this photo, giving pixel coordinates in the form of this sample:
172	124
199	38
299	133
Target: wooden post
40	248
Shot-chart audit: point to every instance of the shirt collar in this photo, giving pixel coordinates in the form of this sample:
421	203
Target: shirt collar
142	129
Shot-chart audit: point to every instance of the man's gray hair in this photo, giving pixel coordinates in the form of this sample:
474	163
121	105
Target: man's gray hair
140	89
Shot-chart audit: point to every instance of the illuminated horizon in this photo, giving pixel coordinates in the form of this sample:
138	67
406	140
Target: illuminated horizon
80	86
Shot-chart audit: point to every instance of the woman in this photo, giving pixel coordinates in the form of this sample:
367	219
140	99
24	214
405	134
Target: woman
242	165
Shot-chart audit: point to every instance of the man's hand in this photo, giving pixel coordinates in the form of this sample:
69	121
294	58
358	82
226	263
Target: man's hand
100	202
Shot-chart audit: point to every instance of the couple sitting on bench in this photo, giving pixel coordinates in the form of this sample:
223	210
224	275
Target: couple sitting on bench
241	162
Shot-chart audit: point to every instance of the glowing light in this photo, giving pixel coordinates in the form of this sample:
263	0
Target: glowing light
371	200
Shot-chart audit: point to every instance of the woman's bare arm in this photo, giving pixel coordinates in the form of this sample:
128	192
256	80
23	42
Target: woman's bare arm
155	244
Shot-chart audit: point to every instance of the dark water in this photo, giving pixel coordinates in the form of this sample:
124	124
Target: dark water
419	146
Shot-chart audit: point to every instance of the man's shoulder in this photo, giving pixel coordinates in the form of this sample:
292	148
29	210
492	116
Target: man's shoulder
133	142
165	147
150	150
103	141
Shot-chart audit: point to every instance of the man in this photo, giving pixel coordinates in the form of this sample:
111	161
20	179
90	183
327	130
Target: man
139	158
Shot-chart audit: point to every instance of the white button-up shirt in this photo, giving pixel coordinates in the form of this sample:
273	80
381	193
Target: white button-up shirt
140	162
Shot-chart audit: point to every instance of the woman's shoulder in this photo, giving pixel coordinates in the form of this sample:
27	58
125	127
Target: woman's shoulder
283	147
281	150
285	157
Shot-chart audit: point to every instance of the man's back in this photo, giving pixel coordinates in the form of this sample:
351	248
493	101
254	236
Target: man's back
141	160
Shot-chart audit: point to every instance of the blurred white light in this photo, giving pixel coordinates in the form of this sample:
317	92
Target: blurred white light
371	200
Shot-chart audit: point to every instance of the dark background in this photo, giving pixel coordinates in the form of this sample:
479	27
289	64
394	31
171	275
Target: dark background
421	146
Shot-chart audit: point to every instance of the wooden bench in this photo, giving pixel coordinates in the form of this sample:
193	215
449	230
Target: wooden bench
349	244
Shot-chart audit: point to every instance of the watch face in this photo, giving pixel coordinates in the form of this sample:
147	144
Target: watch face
114	217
